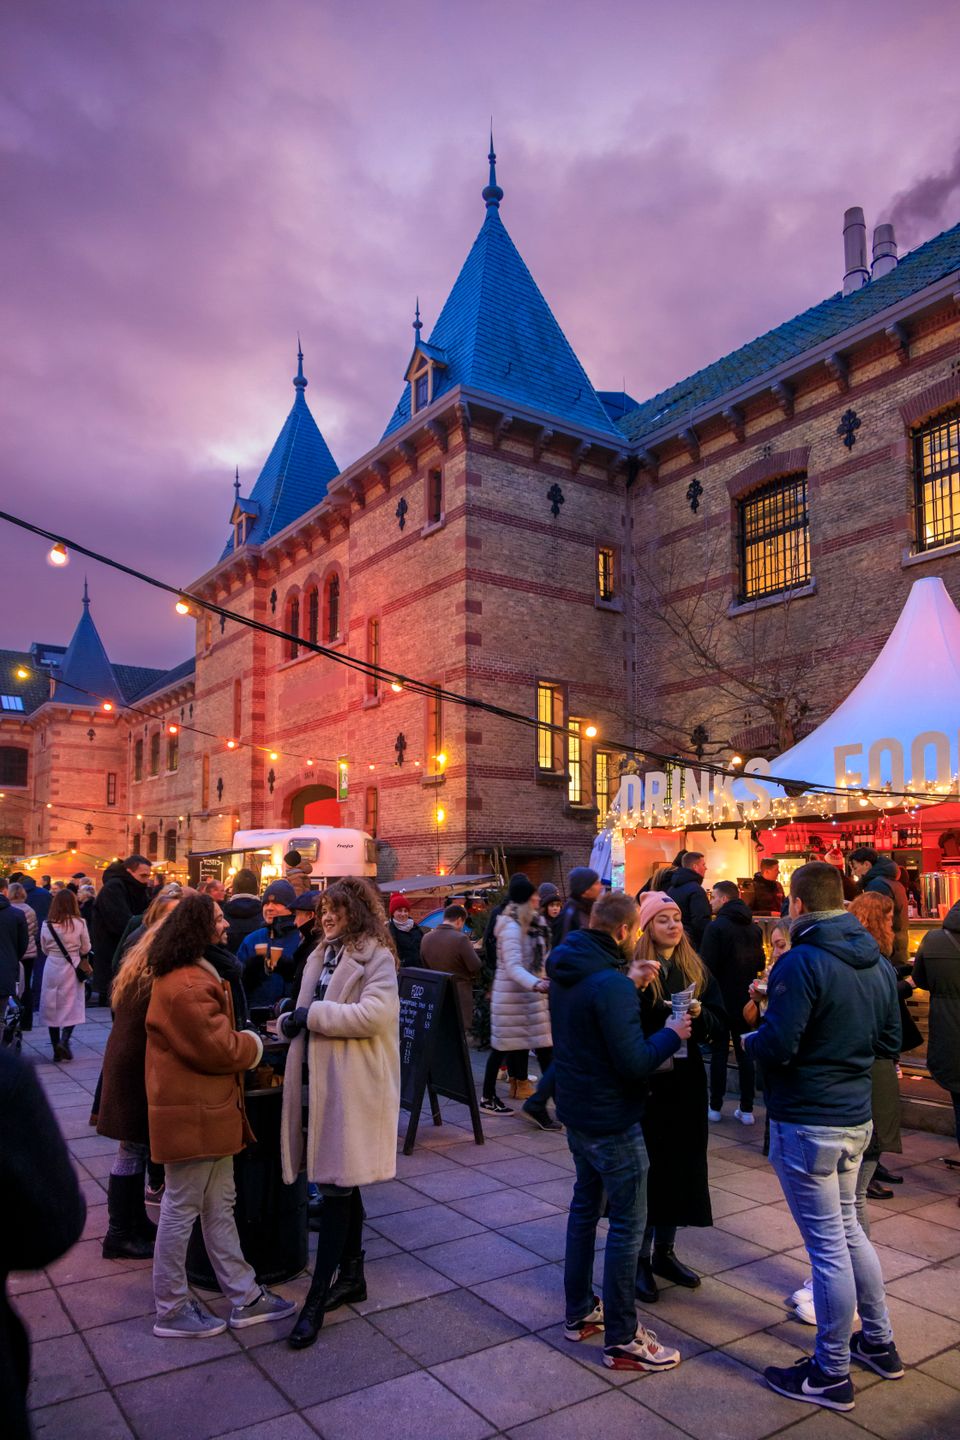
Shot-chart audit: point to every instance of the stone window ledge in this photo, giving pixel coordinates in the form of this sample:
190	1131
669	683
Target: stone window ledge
921	557
764	603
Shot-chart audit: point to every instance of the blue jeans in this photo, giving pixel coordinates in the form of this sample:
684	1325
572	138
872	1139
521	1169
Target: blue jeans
615	1166
818	1167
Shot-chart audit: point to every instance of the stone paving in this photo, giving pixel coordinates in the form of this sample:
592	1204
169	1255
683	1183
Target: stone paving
461	1336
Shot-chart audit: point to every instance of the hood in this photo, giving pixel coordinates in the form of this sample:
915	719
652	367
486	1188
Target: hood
114	871
682	876
582	954
28	883
885	869
841	935
241	907
951	921
737	911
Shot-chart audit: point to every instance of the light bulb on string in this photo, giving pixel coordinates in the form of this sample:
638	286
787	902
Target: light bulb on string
57	555
591	732
107	706
274	755
396	687
22	674
231	744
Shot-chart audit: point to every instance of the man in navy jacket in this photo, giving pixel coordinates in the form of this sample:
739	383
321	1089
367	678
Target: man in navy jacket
603	1061
832	1009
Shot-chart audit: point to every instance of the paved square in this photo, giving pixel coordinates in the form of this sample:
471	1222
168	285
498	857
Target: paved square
461	1336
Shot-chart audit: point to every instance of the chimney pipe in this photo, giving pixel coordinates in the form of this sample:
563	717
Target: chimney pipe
854	250
884	251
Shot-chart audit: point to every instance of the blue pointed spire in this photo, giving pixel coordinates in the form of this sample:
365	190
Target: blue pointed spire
86	594
492	193
417	322
299	380
86	675
236	484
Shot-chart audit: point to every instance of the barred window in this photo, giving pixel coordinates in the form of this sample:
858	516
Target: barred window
173	752
331	608
606	573
293	627
313	616
138	760
371	811
155	753
170	846
373	657
13	765
434	728
936	459
774	529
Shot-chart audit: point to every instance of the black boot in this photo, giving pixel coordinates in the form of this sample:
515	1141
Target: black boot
647	1292
350	1286
885	1176
124	1202
668	1267
310	1320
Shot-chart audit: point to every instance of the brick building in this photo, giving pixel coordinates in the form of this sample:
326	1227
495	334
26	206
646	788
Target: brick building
722	561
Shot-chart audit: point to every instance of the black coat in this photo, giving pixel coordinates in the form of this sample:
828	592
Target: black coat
14	938
686	890
937	969
732	950
38	899
765	897
43	1215
675	1120
119	901
575	915
245	914
408	943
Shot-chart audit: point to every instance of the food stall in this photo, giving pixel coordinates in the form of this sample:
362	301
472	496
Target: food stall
882	770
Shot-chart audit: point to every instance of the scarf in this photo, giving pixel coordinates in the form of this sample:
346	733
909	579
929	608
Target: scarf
809	918
403	925
332	955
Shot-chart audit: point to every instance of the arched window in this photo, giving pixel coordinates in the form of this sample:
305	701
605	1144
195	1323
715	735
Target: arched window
331	608
292	626
313	615
152	845
170	846
13	765
155	753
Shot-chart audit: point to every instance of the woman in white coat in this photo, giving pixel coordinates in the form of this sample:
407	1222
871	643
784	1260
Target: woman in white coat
346	1030
66	944
519	1009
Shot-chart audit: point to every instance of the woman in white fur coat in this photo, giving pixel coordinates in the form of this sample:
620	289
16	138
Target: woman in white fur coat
519	1008
346	1029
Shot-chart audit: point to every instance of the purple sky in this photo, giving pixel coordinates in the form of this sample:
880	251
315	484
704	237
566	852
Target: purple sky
185	186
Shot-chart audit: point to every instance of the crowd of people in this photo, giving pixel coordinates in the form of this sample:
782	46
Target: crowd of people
630	1006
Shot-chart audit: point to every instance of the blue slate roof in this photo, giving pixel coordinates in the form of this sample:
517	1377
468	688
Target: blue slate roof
296	474
497	333
33	691
918	269
154	680
86	667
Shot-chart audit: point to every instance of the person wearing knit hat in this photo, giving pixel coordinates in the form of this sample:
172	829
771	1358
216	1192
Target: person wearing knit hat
406	934
584	885
675	1119
551	904
266	954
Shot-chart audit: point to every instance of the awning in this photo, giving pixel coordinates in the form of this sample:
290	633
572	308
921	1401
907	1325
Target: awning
434	884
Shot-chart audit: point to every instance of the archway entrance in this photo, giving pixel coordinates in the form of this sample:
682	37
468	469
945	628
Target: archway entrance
315	805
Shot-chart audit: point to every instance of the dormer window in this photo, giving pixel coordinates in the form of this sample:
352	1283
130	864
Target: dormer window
239	532
424	374
421	390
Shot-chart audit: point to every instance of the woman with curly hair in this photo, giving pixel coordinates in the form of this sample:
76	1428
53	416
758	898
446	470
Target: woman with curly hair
195	1060
675	1119
345	1032
121	1104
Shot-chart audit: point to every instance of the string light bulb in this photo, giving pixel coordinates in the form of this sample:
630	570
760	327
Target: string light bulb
182	606
591	732
231	744
57	555
274	755
22	674
441	759
396	687
309	762
107	705
173	729
735	760
441	814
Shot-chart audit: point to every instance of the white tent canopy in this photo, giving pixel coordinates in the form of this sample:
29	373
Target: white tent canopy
899	725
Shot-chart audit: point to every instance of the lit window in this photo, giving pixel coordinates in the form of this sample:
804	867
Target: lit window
601	782
434	497
331	608
574	763
155	753
549	741
371	812
606	573
111	788
135	843
434	733
373	656
11	702
152	840
774	539
936	458
173	752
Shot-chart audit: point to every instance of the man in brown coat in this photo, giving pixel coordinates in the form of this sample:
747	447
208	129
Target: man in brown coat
447	948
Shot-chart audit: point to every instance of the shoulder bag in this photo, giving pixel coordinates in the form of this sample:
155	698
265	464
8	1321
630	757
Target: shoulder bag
83	969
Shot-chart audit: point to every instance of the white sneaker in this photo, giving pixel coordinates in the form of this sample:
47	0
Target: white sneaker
744	1116
643	1352
802	1302
714	1115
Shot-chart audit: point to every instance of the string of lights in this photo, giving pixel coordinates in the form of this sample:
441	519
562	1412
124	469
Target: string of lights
190	603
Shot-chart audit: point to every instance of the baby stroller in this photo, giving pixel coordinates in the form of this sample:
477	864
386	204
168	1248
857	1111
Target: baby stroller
11	1022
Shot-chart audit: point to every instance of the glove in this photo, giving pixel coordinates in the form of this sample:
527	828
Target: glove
291	1025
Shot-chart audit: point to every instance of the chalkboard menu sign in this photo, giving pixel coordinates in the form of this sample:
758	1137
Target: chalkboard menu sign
434	1059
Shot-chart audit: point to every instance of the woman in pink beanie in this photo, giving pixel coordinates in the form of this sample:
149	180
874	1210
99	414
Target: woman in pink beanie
675	1120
